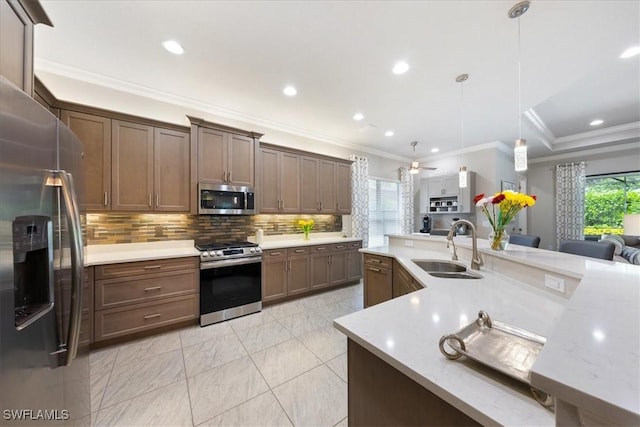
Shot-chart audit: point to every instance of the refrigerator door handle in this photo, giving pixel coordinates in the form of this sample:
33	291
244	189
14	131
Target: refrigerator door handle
77	262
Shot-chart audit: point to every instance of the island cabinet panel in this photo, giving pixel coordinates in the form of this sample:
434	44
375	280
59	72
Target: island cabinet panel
378	279
403	281
132	166
171	170
279	182
370	403
95	134
139	296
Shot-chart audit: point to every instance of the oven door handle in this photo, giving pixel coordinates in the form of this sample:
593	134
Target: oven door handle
229	262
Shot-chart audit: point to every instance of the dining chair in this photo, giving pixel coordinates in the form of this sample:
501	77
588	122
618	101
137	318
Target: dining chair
601	250
524	240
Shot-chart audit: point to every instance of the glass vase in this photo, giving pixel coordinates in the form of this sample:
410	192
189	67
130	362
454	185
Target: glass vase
499	239
306	234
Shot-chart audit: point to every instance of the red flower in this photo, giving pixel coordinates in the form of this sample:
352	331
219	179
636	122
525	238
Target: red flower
478	197
497	199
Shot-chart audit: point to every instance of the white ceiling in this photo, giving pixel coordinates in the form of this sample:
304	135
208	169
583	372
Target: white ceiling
339	54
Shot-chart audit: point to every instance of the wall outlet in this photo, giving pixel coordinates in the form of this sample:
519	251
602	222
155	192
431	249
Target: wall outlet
554	283
408	243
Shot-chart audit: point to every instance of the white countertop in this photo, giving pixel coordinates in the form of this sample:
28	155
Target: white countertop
293	240
405	332
128	252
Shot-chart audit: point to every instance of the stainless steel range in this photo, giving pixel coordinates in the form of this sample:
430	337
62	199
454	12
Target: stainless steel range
230	280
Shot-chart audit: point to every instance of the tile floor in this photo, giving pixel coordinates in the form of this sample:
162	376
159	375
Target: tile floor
284	366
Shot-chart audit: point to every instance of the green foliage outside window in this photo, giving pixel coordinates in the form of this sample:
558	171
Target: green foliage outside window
607	200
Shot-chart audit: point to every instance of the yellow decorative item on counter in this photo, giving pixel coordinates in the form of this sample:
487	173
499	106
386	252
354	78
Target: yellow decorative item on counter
306	225
509	204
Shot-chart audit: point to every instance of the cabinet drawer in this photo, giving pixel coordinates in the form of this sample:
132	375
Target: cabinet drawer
377	261
274	254
126	320
118	292
336	247
298	251
114	271
319	249
355	245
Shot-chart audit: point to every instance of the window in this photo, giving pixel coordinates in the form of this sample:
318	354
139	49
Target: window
384	206
607	198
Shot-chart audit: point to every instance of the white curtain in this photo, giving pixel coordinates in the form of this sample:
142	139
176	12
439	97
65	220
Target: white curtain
570	186
360	198
406	201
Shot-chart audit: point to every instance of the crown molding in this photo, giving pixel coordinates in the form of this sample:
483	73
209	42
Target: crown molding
43	65
499	145
544	133
587	152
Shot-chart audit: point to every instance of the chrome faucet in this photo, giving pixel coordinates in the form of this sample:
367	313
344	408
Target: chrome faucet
476	258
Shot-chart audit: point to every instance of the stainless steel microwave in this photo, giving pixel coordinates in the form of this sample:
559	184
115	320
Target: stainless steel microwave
226	200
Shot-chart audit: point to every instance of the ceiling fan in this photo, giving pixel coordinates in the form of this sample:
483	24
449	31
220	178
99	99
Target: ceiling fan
415	166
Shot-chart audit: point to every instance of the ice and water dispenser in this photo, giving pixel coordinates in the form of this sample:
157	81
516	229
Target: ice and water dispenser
32	268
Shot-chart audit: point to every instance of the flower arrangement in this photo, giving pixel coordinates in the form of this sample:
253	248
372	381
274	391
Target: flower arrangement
306	225
500	210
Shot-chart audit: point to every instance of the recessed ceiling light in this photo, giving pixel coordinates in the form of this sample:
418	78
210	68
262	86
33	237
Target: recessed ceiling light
388	133
596	122
632	51
173	47
290	91
435	150
400	67
358	116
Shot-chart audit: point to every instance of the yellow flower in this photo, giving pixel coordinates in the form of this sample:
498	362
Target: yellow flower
306	225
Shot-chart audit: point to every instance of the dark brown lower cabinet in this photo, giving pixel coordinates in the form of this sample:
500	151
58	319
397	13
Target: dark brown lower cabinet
370	401
377	284
403	281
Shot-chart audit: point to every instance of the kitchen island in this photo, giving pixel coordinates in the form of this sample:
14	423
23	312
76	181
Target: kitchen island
403	333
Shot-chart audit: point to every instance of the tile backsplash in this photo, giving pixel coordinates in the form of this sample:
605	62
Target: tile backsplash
109	228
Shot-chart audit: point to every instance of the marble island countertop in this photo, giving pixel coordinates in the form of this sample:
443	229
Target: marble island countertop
590	359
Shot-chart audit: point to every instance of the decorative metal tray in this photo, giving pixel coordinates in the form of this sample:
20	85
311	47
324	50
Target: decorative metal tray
503	347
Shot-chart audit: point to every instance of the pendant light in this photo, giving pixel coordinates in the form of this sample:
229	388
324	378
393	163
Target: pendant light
520	149
462	174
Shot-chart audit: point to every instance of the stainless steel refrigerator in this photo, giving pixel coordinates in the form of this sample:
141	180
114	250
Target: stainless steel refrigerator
44	368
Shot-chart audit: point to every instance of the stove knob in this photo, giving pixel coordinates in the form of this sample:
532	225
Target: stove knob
258	249
252	250
211	253
219	253
204	254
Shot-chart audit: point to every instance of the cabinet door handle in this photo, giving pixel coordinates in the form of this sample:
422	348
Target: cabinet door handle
377	261
274	253
320	205
340	247
106	199
153	288
229	176
289	265
377	270
157	200
321	249
224	176
151	316
152	267
330	258
338	206
299	251
149	202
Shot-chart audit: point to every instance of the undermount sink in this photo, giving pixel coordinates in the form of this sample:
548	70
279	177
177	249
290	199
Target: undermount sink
431	265
455	275
445	269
